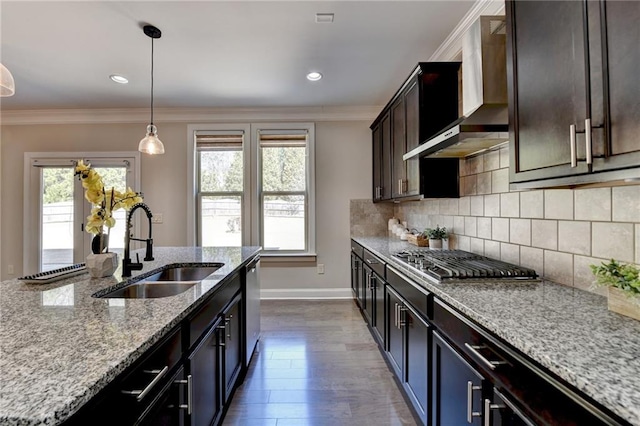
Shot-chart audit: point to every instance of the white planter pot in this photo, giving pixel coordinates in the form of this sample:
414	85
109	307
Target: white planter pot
436	244
102	265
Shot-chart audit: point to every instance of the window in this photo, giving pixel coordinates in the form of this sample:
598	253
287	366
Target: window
55	207
254	185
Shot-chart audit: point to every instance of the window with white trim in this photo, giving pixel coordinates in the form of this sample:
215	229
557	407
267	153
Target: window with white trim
254	185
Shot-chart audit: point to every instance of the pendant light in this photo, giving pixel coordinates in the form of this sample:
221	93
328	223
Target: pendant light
151	144
7	86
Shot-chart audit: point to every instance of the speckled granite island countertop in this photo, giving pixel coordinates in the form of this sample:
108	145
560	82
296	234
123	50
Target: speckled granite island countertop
59	346
568	331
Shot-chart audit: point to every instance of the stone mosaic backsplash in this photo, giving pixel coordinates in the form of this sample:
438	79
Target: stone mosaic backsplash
557	232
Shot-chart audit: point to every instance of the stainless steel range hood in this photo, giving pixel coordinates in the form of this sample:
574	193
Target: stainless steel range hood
485	120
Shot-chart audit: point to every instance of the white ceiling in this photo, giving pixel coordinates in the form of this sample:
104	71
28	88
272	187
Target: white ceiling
217	54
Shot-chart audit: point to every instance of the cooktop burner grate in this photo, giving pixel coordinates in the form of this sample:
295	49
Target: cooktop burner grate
444	265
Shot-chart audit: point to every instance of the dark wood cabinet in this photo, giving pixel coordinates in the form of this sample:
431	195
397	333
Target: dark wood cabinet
382	167
408	349
457	388
356	277
368	297
190	375
455	372
205	365
399	148
573	84
232	343
395	338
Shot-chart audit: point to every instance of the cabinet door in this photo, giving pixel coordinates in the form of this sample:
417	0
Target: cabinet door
417	367
622	83
412	128
395	340
232	345
204	367
376	134
377	295
547	87
456	387
367	301
398	142
356	274
385	156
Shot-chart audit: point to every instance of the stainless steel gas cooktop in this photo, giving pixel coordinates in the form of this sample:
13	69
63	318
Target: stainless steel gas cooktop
458	265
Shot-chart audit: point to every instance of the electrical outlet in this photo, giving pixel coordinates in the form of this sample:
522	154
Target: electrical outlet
157	218
321	268
10	270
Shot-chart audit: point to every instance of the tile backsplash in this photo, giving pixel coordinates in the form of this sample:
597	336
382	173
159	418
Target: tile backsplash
557	232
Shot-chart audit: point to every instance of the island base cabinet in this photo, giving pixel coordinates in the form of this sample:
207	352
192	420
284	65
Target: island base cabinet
231	342
205	363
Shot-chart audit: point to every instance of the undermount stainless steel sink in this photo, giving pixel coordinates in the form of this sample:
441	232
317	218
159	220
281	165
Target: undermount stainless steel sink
185	273
168	282
149	290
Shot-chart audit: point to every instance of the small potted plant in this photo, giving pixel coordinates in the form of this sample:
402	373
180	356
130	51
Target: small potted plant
623	286
436	235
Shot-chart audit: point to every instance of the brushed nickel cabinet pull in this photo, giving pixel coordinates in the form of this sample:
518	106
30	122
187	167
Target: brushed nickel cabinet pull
189	383
474	350
587	138
140	394
572	141
470	413
488	406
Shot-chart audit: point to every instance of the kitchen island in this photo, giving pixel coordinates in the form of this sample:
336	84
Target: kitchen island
59	346
564	331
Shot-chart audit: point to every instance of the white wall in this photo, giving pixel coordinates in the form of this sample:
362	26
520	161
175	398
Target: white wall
343	171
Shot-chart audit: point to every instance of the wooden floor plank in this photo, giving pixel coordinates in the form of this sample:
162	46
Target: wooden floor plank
317	365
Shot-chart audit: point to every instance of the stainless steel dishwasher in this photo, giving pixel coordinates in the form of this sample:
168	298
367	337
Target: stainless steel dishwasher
252	306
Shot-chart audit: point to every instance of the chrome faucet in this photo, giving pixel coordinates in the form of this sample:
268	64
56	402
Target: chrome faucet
127	264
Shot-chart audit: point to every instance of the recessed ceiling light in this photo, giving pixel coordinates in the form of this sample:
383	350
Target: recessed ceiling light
314	76
324	18
118	79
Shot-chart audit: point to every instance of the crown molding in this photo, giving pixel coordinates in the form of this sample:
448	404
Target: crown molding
452	45
187	115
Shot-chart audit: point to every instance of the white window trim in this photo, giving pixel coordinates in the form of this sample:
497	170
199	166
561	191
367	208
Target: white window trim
311	178
251	180
192	188
31	197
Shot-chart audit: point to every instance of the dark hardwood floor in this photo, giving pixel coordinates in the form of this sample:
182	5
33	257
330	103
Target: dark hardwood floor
317	365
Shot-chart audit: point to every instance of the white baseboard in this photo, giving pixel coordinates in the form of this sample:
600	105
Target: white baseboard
305	293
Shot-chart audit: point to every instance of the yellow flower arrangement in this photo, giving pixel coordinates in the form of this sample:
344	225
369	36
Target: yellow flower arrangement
104	202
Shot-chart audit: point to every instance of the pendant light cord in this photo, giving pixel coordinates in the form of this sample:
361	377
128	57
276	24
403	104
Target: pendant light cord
151	80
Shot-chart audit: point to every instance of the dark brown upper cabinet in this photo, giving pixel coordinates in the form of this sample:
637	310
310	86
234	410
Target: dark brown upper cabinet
426	103
573	81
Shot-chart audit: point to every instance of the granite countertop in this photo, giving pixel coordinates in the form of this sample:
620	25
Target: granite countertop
59	346
568	331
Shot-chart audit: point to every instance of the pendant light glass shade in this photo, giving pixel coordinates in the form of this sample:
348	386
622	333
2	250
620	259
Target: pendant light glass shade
151	144
7	85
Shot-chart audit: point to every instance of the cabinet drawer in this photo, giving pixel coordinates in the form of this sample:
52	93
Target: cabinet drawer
374	263
207	313
419	299
146	378
357	249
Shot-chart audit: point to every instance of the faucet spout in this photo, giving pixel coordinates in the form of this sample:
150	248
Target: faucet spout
127	264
